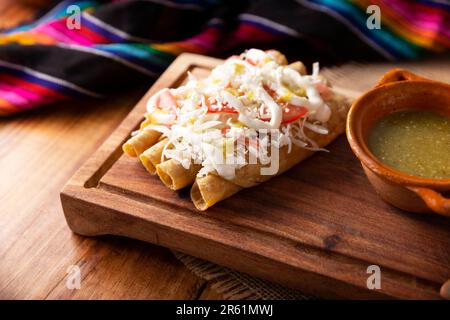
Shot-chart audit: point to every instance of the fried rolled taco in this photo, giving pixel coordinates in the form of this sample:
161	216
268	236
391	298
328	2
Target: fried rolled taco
252	118
140	142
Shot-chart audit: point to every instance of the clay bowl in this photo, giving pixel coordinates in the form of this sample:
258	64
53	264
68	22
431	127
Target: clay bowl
399	90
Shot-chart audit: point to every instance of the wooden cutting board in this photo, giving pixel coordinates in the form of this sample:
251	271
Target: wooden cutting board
316	228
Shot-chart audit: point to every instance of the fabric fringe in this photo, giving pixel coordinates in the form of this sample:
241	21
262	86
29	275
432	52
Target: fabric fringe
233	285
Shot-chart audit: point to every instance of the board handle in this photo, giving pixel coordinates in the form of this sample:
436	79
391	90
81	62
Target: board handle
396	75
434	200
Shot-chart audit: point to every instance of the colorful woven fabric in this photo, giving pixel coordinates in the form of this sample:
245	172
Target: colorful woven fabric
125	43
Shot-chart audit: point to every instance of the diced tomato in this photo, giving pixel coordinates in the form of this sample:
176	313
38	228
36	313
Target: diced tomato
251	142
167	102
324	91
271	92
292	113
233	57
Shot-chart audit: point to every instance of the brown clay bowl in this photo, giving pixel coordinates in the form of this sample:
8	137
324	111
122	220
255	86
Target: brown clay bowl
399	90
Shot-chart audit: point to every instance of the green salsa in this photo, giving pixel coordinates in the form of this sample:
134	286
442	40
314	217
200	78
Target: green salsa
414	142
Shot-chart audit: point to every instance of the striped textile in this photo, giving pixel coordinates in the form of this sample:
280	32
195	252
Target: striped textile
130	42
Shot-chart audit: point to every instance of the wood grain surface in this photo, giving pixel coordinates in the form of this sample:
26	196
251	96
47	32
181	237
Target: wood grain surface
316	228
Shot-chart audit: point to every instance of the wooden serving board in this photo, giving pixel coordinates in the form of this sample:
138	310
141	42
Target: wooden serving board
316	228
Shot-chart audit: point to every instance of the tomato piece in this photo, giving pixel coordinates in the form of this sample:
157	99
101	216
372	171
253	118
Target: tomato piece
224	109
167	102
225	130
271	92
324	91
292	113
